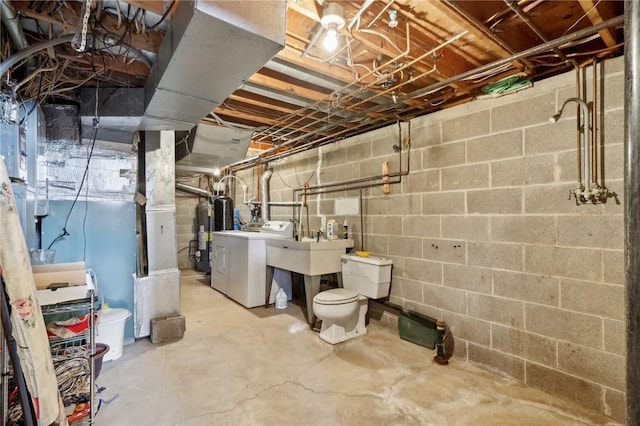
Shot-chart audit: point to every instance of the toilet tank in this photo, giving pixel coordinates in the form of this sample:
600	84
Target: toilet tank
368	276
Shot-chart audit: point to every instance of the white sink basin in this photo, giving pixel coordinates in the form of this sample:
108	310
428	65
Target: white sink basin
308	257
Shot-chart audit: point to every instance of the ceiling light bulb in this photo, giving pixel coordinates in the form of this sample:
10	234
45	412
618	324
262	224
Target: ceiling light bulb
331	39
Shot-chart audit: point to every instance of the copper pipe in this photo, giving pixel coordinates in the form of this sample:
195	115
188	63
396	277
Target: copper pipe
380	14
594	125
378	80
441	84
279	126
513	5
601	126
578	144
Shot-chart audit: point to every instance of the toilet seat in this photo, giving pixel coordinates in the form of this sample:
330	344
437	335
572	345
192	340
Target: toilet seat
336	296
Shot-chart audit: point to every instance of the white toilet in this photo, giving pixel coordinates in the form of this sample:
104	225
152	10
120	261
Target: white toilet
343	310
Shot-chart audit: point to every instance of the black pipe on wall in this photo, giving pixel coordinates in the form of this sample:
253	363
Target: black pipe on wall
632	205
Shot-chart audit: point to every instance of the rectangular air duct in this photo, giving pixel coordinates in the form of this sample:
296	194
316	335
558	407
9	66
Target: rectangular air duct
209	50
212	147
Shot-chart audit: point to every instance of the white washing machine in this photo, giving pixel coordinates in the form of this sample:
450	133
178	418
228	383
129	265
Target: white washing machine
240	262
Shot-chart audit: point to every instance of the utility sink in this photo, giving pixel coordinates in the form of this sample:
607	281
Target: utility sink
308	257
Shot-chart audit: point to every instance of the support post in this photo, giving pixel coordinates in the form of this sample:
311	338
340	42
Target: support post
632	206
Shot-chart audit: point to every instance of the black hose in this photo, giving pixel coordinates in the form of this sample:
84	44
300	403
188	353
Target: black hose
164	15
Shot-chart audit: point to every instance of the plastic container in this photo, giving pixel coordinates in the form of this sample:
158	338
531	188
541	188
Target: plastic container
418	329
281	299
41	257
332	230
101	351
236	219
111	331
345	230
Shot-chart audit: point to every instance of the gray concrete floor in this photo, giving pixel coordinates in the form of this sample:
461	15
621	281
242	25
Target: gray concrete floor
238	366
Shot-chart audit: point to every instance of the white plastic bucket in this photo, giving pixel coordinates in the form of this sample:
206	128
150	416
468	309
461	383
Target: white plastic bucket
111	331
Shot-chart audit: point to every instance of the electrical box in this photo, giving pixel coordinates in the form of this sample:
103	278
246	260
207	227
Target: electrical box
14	156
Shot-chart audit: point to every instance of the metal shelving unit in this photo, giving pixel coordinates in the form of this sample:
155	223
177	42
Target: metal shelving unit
73	357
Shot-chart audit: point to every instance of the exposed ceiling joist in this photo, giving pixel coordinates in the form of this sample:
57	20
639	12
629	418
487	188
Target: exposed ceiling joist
396	59
598	13
67	18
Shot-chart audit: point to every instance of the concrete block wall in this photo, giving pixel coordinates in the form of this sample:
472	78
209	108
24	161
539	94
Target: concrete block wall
482	233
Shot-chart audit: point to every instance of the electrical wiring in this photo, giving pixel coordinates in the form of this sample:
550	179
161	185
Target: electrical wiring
35	104
488	74
163	17
585	14
64	232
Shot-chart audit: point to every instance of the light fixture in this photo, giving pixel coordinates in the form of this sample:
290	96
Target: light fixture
393	18
332	21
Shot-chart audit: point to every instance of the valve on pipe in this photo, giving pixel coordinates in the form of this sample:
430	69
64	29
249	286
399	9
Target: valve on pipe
442	356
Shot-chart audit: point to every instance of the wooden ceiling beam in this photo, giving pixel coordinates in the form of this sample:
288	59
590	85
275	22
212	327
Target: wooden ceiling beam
262	78
495	43
597	14
236	114
313	65
306	8
262	102
136	68
301	117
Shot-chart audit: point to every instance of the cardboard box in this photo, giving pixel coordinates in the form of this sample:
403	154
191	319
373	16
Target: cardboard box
61	282
59	275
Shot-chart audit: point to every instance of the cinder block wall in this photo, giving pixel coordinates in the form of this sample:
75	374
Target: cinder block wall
482	234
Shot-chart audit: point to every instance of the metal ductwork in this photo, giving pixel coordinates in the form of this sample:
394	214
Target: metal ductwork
119	110
265	194
209	50
193	190
211	147
12	24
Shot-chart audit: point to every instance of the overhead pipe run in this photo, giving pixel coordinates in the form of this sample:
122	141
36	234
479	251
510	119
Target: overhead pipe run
265	194
361	183
271	153
192	189
352	95
513	5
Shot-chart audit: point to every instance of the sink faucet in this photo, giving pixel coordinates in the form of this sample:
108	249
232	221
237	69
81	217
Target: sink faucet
318	236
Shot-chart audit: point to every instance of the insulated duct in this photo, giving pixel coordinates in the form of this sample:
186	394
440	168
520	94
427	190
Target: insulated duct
209	50
264	192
